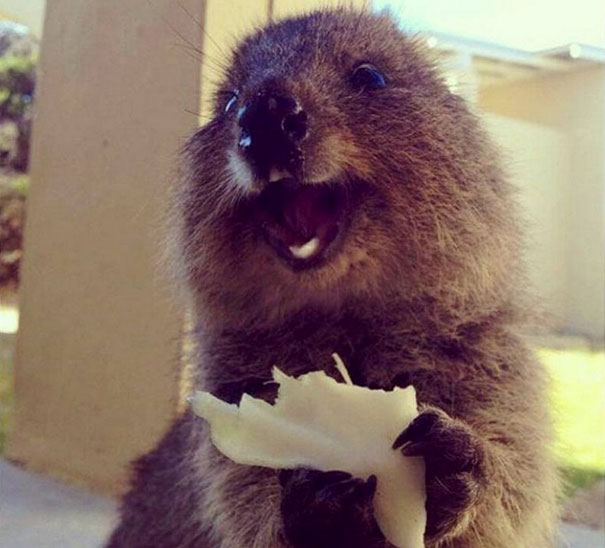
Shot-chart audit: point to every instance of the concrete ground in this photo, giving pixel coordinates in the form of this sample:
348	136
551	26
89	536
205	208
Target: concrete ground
36	512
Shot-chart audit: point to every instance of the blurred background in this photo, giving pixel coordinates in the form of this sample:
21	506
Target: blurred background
95	98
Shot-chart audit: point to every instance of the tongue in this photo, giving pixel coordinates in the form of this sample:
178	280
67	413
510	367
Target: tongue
300	220
307	212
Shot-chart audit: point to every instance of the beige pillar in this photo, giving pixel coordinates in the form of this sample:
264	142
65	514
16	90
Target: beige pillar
98	345
98	352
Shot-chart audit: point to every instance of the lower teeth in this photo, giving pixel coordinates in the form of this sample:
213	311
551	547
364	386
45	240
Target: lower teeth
306	250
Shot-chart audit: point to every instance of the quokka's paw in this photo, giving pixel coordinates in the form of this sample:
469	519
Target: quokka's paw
328	510
453	457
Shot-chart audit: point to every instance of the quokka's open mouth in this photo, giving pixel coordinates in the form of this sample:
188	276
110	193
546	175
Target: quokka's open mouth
302	222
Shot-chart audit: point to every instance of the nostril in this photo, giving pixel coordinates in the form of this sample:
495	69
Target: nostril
271	128
272	104
295	125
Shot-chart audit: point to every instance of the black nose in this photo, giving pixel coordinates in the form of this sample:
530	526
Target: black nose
273	125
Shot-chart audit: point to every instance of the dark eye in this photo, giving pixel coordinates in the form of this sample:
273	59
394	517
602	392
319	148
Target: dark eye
231	101
367	76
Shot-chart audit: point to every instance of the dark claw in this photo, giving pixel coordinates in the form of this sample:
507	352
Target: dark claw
461	493
417	449
371	485
417	429
329	509
454	458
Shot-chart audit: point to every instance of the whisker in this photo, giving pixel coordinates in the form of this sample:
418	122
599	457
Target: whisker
195	113
181	36
204	31
203	60
187	51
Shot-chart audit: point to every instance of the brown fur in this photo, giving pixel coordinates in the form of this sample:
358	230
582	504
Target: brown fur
426	290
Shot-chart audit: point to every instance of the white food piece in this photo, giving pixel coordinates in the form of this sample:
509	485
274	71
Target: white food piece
317	422
306	250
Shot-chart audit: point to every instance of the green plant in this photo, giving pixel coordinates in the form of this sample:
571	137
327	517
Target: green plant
6	389
578	407
13	191
17	84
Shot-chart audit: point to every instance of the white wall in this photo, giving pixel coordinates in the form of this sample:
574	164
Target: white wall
555	129
26	12
537	158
